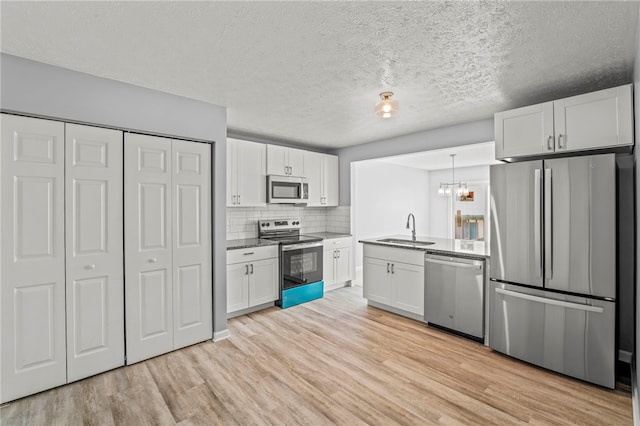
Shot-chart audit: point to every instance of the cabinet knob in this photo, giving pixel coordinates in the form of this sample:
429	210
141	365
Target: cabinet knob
92	266
153	260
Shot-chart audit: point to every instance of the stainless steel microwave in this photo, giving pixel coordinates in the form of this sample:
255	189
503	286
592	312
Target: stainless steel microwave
287	190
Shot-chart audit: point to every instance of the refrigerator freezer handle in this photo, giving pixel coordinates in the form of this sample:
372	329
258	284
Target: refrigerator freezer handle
548	225
537	232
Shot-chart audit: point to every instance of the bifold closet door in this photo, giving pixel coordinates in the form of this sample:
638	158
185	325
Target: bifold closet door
32	280
148	246
192	288
94	250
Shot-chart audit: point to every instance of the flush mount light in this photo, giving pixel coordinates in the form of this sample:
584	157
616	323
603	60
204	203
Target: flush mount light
386	107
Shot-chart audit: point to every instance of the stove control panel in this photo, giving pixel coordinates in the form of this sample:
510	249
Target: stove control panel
279	225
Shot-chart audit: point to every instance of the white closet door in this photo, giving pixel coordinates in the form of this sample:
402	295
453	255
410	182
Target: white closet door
148	274
95	281
32	296
192	288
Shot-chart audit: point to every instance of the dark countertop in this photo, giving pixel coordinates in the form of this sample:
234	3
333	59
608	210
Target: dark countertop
329	235
249	243
446	246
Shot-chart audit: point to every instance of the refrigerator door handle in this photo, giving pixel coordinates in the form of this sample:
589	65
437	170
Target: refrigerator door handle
561	303
548	225
537	232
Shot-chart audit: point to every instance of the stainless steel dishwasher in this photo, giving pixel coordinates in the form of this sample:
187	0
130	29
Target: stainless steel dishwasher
454	293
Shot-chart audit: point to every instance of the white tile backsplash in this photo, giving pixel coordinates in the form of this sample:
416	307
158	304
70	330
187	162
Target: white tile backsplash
242	222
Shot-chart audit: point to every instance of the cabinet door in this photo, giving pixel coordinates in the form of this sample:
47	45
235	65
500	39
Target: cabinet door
524	131
191	265
252	174
594	120
376	280
94	254
148	272
237	287
343	265
331	181
313	162
296	162
263	281
408	287
232	172
32	283
277	160
329	267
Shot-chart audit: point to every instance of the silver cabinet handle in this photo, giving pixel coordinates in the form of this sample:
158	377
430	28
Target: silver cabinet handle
560	140
92	266
546	301
550	143
233	199
388	267
252	268
246	269
248	253
548	224
392	270
537	228
153	260
238	199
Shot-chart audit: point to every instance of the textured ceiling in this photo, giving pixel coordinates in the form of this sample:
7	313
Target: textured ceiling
310	72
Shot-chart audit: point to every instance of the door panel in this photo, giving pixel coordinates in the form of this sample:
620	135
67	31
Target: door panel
581	254
408	287
252	173
148	243
516	251
237	287
376	280
263	281
94	253
524	131
331	180
191	265
313	172
32	270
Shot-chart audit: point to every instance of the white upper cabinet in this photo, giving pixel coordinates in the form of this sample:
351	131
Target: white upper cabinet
285	161
246	173
602	119
321	171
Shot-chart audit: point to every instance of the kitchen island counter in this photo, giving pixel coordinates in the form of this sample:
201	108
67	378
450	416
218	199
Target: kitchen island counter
445	246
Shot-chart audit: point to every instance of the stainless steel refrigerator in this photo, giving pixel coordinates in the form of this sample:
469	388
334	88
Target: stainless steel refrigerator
553	264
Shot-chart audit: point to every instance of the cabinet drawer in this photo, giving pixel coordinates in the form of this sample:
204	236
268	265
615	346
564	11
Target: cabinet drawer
413	257
251	254
337	243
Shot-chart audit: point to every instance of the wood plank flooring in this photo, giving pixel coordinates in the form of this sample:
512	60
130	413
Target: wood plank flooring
331	361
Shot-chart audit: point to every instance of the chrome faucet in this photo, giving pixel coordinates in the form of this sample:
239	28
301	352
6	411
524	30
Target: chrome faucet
413	231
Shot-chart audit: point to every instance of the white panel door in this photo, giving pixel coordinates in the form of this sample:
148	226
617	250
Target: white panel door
277	160
330	179
94	253
252	174
263	281
525	131
313	162
343	265
32	296
148	246
408	287
232	172
376	280
237	287
191	217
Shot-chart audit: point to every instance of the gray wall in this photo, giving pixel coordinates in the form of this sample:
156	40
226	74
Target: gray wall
444	137
35	88
636	106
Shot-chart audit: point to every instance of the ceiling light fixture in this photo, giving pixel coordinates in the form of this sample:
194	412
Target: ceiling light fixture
458	188
386	107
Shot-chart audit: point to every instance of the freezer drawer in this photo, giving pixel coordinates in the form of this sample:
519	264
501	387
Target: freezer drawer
454	293
571	335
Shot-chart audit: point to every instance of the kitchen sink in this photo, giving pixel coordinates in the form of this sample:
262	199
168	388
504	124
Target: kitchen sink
406	242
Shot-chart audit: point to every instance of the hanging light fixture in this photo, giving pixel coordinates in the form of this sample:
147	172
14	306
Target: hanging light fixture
386	107
457	188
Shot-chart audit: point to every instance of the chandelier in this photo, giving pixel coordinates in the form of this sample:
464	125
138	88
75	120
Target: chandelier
453	187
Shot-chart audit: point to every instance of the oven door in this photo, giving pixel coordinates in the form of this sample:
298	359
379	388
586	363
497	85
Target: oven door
300	264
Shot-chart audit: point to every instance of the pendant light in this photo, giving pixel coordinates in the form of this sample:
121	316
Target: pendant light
386	107
458	188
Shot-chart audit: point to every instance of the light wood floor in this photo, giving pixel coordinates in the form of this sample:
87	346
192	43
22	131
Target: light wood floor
331	361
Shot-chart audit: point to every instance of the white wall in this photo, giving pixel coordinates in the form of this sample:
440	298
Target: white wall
440	224
384	195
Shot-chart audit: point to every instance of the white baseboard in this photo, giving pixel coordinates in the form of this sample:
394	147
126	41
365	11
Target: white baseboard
221	335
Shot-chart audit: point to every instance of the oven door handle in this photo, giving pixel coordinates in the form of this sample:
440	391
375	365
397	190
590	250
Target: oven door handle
295	279
301	246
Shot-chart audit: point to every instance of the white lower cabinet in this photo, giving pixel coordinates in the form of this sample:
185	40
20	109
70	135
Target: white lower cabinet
394	277
252	278
168	286
62	308
336	262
